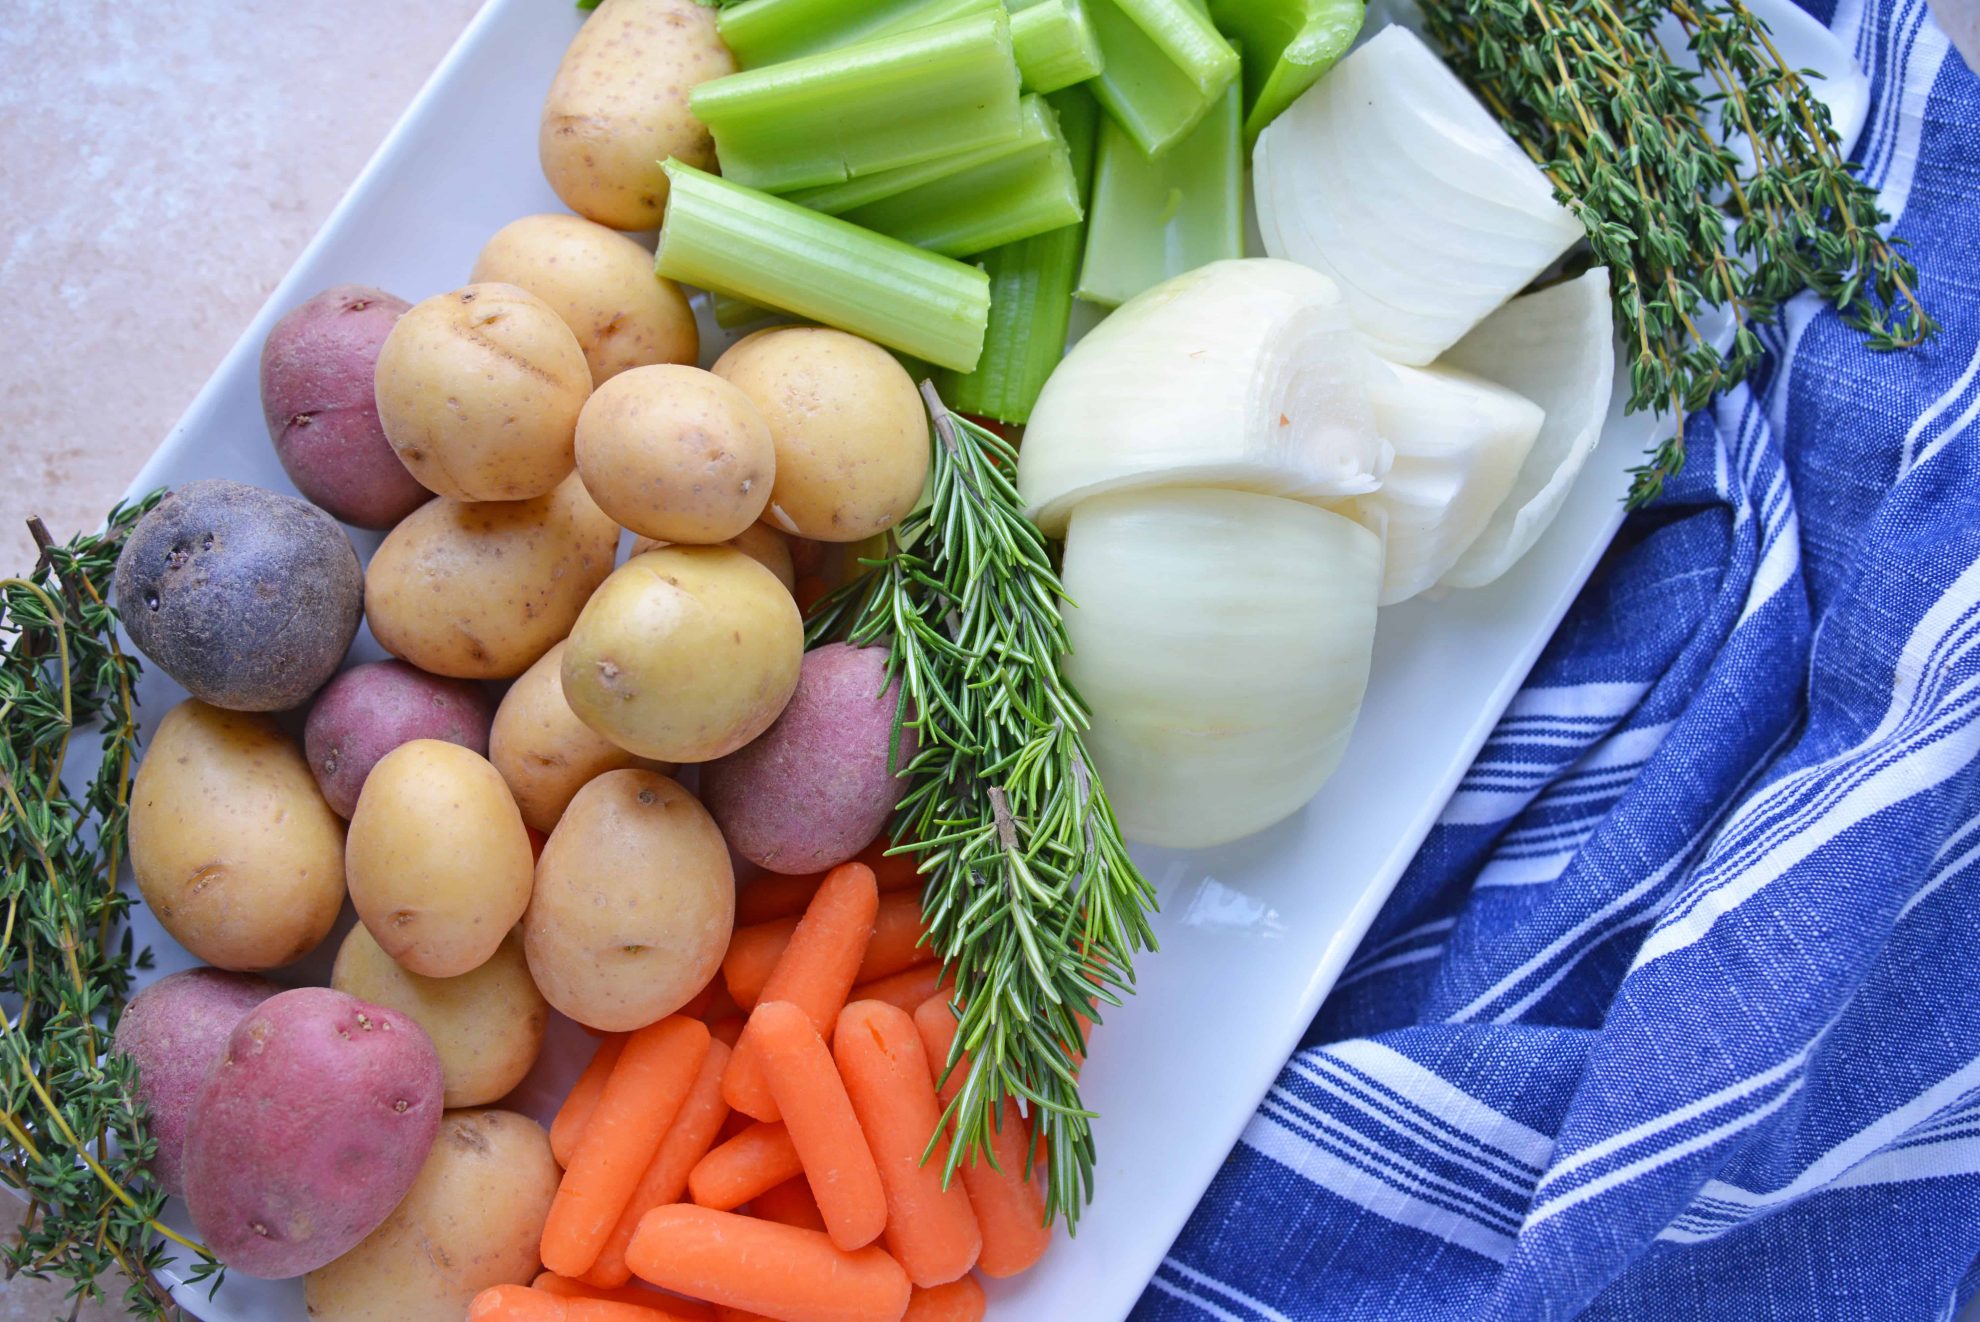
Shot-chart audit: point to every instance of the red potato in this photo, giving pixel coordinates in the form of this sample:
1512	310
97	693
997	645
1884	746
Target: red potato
175	1030
309	1131
317	397
814	789
369	710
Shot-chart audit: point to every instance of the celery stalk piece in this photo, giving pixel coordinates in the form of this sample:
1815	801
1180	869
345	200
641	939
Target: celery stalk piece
1031	293
1287	45
728	239
1156	99
1151	220
1055	45
896	100
771	31
1183	32
839	199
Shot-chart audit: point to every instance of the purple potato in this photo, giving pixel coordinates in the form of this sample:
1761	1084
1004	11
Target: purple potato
369	710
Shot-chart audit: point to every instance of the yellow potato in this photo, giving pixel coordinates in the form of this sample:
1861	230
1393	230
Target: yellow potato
487	1024
480	591
602	284
676	453
479	392
685	654
850	430
473	1220
765	545
635	902
544	751
619	106
438	858
233	846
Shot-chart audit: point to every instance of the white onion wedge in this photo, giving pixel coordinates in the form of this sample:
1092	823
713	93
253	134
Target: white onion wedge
1222	640
1459	443
1389	177
1241	375
1557	347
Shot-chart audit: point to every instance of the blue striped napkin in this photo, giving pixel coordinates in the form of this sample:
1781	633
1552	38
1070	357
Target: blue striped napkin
1677	1014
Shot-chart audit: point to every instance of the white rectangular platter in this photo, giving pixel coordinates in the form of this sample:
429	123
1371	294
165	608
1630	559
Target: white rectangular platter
1253	936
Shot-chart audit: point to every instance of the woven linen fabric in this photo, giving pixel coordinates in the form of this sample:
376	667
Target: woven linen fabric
1677	1013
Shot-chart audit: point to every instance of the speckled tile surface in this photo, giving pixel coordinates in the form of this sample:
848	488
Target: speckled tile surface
165	162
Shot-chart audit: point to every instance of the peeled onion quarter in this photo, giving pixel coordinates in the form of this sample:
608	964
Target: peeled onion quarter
1222	641
1459	443
1557	347
1391	179
1242	375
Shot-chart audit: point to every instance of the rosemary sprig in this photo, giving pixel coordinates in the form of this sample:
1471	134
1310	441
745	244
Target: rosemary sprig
76	1140
1031	898
1628	139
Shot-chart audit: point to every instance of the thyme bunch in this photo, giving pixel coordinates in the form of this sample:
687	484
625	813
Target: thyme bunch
1030	897
1659	162
76	1140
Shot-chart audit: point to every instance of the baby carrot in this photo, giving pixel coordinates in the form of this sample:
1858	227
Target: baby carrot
761	1157
814	973
686	1309
762	1267
1010	1209
893	872
521	1303
687	1142
788	1204
930	1230
753	953
740	1315
771	896
960	1300
905	990
727	1031
569	1124
896	942
710	1003
837	1163
654	1072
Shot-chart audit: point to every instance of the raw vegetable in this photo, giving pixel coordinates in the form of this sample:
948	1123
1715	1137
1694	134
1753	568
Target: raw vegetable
772	31
1446	219
788	1204
246	597
733	240
568	1125
764	1267
891	101
517	1303
544	752
1054	43
1459	443
369	710
1004	809
1222	640
898	942
1241	374
906	989
1031	283
958	1301
1154	219
644	1092
1286	46
759	1158
1164	66
1555	346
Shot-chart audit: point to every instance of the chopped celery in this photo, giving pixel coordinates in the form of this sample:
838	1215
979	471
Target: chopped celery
771	31
896	100
1030	295
996	198
1054	44
1164	66
1287	45
728	239
1154	219
838	199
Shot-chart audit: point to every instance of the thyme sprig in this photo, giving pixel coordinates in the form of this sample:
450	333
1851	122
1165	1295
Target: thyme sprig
1659	162
1030	896
76	1140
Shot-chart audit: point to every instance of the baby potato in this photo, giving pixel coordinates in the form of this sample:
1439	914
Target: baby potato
471	1221
765	545
233	846
487	1024
438	858
634	905
480	591
685	654
544	752
850	430
618	107
602	284
479	392
369	710
676	453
